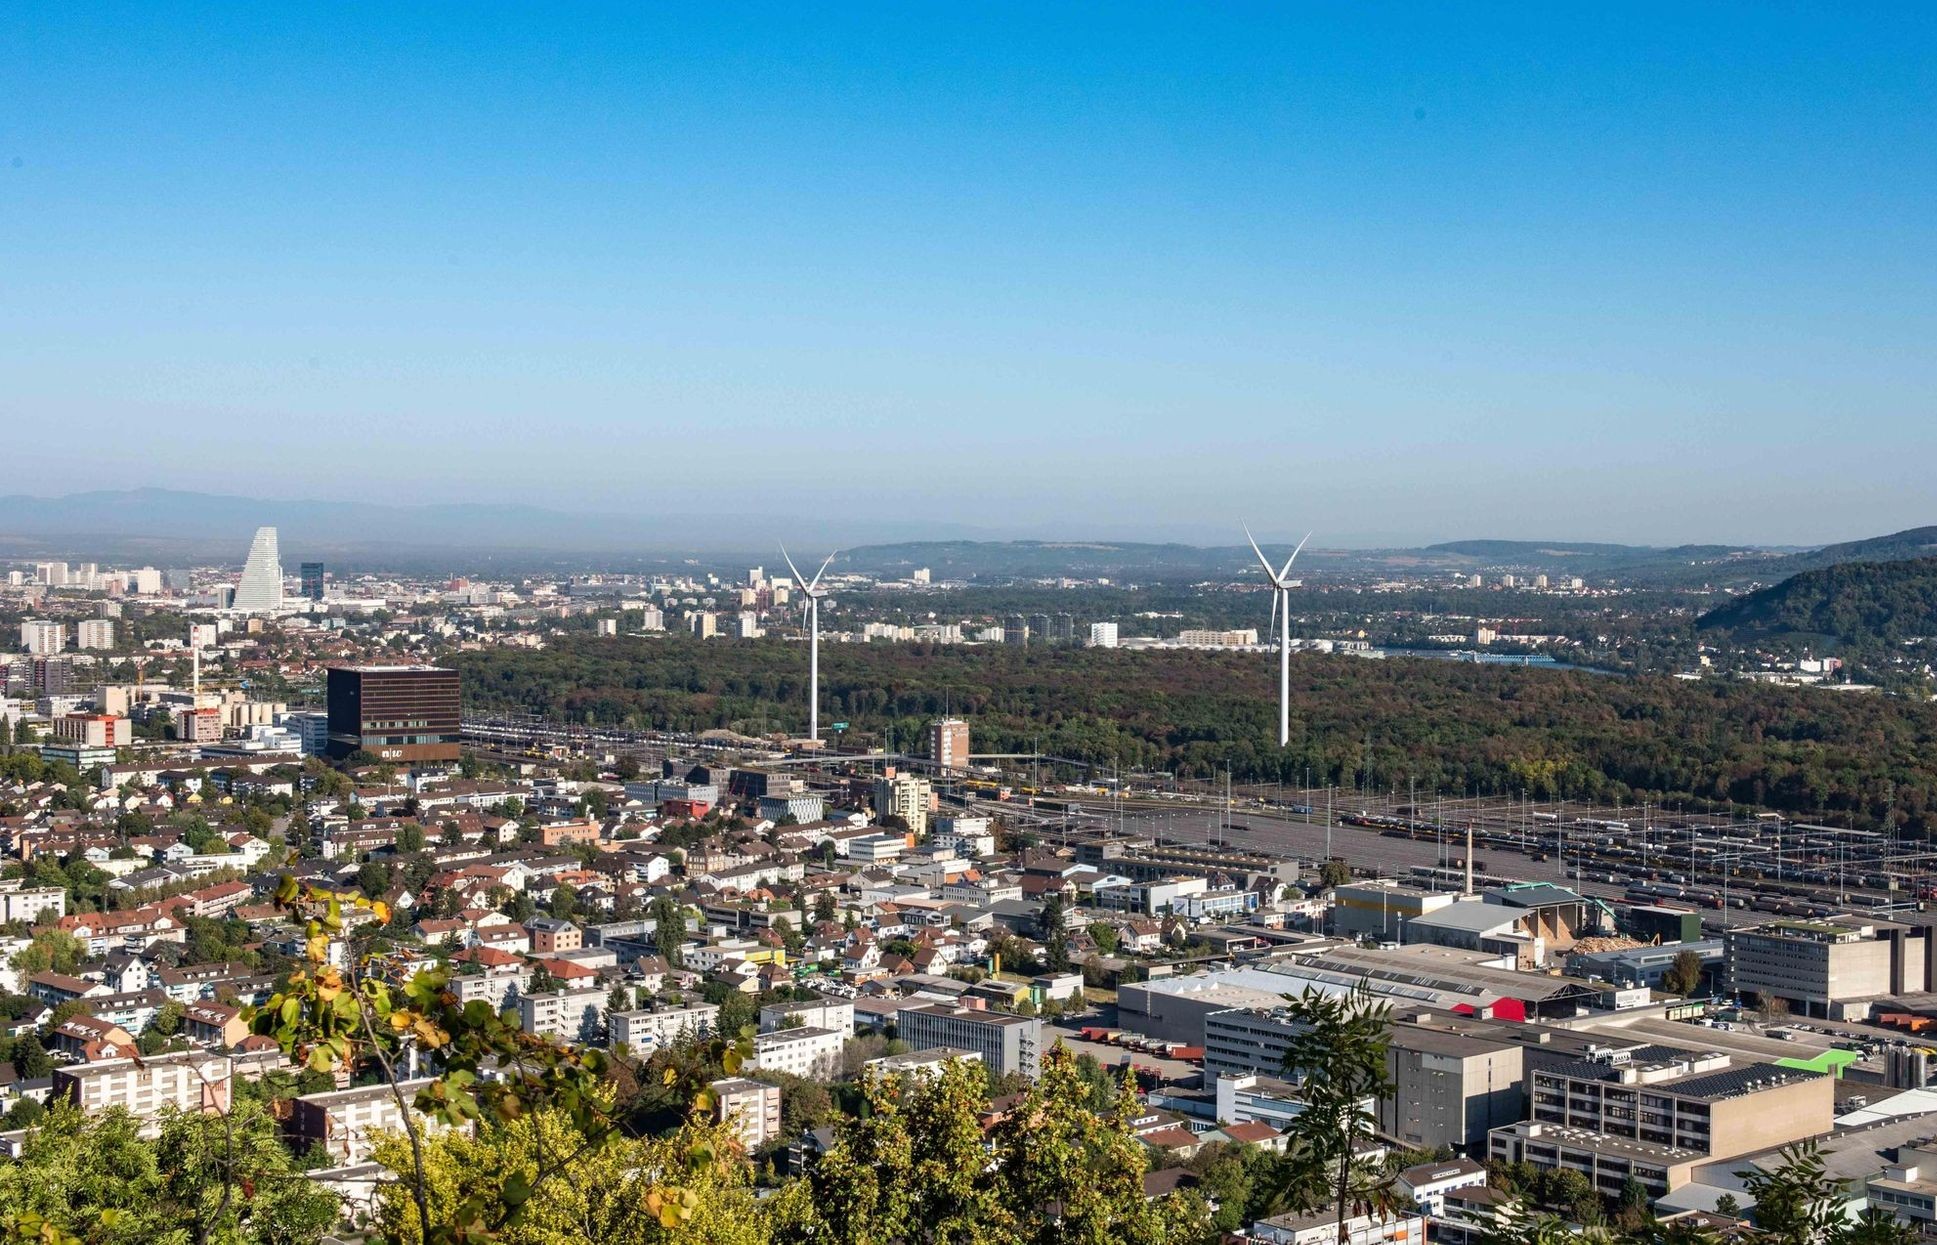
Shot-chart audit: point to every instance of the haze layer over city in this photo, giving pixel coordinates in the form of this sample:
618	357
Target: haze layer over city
758	626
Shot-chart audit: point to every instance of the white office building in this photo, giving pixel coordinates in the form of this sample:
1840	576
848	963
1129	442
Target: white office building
261	588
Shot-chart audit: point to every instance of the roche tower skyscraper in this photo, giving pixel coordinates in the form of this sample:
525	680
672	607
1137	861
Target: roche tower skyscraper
261	586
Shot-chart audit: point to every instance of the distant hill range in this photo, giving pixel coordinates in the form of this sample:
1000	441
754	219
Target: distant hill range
1665	566
1853	603
172	527
169	525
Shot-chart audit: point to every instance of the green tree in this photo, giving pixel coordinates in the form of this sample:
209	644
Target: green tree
1684	976
52	950
1798	1202
1055	933
1339	1061
611	1189
1064	1175
1334	872
668	926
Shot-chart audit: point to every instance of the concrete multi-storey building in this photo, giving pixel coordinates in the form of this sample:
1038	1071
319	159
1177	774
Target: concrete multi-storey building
186	1081
948	745
31	904
823	1013
1816	967
1450	1089
42	638
346	1122
660	1026
93	730
94	633
1651	1113
751	1107
1103	635
568	1015
1005	1043
907	797
811	1053
1242	1040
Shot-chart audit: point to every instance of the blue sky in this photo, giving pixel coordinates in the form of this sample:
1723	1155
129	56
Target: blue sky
1389	272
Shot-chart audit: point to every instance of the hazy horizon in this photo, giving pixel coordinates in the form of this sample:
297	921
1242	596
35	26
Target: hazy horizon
1394	274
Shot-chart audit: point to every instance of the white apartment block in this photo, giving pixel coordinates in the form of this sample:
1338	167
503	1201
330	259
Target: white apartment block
1103	635
42	638
811	1053
641	1030
187	1081
835	1014
348	1122
94	633
752	1107
31	904
567	1015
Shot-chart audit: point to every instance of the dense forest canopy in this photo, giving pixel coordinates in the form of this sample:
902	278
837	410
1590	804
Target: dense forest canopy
1446	726
1856	604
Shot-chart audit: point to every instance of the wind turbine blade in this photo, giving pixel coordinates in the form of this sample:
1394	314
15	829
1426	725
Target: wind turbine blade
1273	624
1268	574
823	570
1293	557
790	565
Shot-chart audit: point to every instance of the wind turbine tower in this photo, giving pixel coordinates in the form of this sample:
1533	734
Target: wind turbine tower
811	590
1281	614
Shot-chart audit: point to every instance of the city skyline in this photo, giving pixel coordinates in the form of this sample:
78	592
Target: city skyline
1647	280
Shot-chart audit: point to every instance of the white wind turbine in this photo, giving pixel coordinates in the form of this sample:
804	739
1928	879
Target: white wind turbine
1281	615
811	590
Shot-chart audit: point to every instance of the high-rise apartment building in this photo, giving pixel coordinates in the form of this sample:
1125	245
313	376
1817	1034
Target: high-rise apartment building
1039	628
94	633
395	713
1103	635
312	581
904	796
751	1107
1015	630
948	744
42	638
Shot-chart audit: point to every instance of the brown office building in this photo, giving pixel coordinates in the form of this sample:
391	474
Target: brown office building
395	713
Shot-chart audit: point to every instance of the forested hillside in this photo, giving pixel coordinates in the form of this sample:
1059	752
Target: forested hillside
1450	725
1857	603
